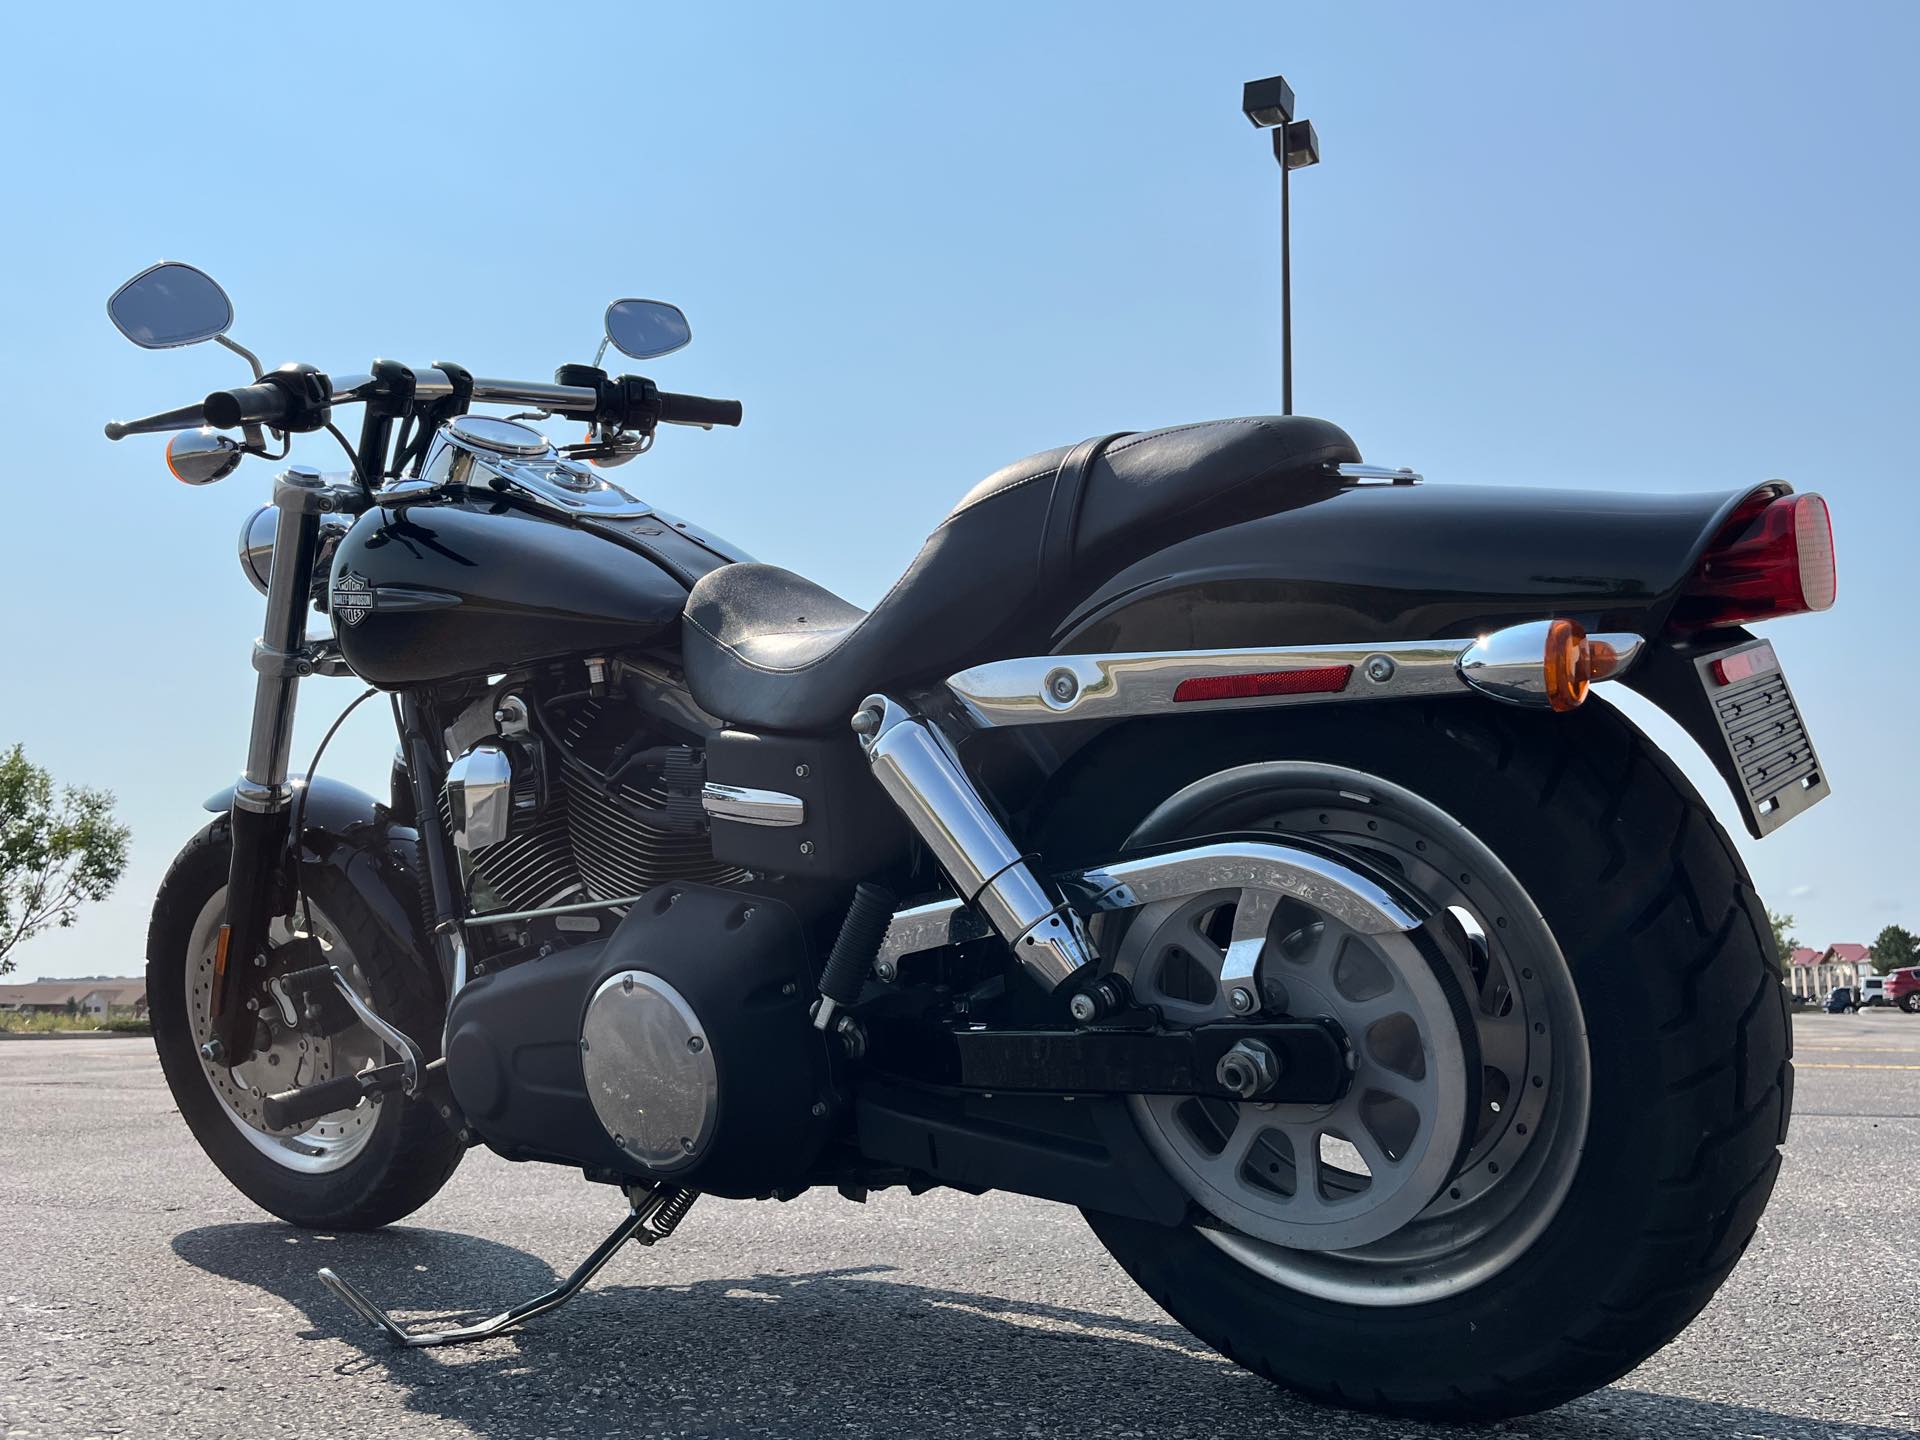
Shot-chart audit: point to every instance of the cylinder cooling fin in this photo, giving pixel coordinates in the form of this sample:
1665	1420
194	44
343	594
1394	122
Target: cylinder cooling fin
619	814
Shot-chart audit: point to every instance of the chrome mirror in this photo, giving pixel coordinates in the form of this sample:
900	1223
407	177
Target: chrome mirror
170	304
644	329
200	457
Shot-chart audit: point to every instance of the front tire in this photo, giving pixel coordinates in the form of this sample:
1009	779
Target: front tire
357	1170
1687	1042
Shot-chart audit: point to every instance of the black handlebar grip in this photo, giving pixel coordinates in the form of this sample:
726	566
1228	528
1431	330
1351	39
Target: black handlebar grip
249	405
697	410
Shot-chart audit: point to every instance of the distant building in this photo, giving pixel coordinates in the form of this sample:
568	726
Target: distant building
1813	973
95	997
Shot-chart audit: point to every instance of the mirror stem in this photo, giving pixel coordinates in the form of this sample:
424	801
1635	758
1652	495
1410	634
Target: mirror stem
244	353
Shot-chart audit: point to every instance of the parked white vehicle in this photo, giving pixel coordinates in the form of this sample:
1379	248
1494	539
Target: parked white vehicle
1872	990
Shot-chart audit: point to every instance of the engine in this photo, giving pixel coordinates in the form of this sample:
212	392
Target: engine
676	1045
677	1049
673	1046
587	804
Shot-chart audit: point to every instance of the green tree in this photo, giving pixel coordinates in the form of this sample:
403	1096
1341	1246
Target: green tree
1785	942
56	851
1894	948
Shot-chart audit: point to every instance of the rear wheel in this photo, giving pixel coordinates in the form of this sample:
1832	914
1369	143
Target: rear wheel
1624	1071
355	1169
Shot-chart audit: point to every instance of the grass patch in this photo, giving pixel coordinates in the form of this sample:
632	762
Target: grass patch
24	1023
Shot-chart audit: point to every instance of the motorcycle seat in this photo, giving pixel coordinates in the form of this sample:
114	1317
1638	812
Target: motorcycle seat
766	649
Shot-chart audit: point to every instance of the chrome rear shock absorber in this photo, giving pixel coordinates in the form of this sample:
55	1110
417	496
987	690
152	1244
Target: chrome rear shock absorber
922	776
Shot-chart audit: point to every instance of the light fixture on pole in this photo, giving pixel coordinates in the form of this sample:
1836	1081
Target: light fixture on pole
1268	104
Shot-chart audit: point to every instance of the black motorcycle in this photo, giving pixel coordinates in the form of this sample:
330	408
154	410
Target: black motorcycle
1209	830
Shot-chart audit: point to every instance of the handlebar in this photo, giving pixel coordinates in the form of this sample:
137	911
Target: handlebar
268	403
567	399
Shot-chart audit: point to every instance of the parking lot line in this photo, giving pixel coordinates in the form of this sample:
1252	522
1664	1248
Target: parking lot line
1835	1065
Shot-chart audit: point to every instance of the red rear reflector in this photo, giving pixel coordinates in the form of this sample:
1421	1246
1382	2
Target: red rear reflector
1732	669
1775	557
1321	680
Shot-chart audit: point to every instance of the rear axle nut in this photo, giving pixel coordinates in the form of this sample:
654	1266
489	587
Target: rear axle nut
1249	1069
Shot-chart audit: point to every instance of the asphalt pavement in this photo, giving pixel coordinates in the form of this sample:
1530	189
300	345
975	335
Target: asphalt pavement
141	1295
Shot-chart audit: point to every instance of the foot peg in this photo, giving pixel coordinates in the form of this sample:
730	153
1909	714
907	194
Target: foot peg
654	1216
285	988
287	1108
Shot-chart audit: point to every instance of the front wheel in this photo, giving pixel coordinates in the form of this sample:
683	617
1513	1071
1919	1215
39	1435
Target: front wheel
352	1170
1619	1066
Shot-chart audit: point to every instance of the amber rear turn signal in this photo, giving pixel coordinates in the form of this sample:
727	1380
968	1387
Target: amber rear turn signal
1548	664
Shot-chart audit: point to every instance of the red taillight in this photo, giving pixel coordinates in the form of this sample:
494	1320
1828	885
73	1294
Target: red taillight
1318	680
1774	557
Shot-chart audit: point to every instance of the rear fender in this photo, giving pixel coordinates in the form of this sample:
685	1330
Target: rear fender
1375	564
347	832
1372	563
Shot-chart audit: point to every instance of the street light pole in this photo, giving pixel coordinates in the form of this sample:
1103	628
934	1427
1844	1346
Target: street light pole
1268	104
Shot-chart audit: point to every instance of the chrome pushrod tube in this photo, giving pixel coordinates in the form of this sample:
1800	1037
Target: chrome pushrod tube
922	777
581	907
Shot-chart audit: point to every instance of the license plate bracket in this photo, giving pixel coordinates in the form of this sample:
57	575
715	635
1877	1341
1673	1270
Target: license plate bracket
1778	774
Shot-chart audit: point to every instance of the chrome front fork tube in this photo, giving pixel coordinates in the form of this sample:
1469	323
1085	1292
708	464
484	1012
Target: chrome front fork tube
923	778
280	655
262	801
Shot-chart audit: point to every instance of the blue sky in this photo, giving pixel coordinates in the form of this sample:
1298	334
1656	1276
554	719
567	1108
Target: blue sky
1645	246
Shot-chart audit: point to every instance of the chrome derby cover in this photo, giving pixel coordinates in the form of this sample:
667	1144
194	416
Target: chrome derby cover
649	1070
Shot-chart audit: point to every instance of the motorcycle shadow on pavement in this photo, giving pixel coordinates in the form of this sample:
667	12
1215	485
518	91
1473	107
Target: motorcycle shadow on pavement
851	1352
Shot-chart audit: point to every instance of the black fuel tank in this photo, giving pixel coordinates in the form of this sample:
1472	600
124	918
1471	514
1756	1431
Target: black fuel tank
431	592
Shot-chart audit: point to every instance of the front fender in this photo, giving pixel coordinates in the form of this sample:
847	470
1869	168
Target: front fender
1375	563
348	832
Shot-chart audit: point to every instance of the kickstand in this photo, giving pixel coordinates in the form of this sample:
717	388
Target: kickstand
654	1216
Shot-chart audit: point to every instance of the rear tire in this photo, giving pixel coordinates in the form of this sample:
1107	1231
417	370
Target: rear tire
1672	958
406	1155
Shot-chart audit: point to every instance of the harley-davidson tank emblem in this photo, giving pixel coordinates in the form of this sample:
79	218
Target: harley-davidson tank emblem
351	597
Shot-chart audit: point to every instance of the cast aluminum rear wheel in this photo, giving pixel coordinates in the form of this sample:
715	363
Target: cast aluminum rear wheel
1455	1142
1628	1013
